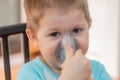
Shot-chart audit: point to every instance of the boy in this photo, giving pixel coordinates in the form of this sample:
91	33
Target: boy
60	28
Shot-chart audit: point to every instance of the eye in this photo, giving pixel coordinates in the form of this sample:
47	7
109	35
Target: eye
55	34
77	30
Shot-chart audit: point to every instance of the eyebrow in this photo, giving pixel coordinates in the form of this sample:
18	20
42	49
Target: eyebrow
81	25
58	28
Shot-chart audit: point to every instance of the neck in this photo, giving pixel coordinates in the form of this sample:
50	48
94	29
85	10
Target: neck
55	70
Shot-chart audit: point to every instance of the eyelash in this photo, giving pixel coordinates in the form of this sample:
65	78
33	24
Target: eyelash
57	34
77	30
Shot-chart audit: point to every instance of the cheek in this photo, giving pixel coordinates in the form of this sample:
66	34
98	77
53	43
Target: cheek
48	53
83	43
48	48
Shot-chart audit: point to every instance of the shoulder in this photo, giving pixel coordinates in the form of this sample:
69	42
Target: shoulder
31	70
33	65
98	71
95	64
97	67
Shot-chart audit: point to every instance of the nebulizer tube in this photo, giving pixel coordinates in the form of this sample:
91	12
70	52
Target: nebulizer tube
67	40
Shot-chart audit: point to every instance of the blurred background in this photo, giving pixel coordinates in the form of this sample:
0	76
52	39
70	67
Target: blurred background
104	35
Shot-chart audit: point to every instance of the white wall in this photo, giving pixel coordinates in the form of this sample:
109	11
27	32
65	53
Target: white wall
23	17
104	33
9	12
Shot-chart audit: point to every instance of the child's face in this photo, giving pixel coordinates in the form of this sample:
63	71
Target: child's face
52	28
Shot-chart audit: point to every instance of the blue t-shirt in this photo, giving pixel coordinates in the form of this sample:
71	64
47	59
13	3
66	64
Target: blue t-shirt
37	70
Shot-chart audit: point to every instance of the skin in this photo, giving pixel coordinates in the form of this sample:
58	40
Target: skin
52	28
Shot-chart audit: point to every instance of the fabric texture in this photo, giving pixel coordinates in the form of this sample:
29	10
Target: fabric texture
37	70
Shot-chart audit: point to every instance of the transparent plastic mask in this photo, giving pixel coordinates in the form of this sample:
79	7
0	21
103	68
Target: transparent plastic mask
67	40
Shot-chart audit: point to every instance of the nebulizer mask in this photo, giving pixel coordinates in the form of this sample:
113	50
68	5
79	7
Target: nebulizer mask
67	40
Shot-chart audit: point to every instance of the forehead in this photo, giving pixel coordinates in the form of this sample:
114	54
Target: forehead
54	19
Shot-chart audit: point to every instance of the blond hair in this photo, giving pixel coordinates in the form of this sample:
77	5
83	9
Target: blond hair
35	9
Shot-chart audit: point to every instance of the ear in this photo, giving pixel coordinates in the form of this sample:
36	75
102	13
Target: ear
32	36
90	23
